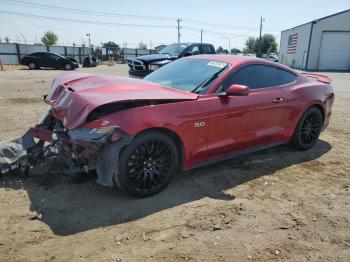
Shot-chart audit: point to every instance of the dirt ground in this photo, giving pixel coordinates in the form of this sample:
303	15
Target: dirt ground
276	205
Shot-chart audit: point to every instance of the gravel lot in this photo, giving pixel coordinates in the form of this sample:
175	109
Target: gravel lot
276	205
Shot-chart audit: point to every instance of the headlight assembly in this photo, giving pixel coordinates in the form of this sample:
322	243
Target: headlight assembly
153	67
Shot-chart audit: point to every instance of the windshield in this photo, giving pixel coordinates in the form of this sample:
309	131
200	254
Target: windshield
186	74
57	55
173	50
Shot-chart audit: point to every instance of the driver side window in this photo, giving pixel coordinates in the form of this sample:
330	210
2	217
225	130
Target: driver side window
241	77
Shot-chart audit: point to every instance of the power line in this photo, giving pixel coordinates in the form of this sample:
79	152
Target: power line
216	32
90	12
109	14
84	21
217	25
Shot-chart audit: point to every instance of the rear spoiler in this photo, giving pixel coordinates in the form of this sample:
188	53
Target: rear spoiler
318	77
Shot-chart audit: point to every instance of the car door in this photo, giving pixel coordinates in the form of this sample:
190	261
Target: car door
52	60
242	122
40	58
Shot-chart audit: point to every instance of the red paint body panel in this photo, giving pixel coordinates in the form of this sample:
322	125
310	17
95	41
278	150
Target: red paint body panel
208	126
79	94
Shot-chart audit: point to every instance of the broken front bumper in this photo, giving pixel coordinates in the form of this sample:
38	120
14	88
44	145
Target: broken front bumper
16	154
81	149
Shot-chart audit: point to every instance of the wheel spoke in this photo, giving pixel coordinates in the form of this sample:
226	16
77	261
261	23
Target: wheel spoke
310	128
149	165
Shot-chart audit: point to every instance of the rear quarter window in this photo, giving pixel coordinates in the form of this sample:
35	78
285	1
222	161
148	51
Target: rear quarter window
283	77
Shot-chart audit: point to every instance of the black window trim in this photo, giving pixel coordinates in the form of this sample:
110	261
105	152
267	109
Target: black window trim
255	63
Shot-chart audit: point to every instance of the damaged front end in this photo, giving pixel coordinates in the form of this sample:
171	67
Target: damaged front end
65	131
81	149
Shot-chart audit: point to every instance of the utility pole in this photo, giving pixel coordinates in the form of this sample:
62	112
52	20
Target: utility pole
259	45
229	43
201	35
178	29
89	40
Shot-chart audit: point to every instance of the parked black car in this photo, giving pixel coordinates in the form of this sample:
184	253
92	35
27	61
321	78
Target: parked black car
49	60
143	65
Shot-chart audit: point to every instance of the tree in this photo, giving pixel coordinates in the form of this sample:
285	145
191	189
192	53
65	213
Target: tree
0	40
7	40
235	51
225	51
142	45
268	44
272	48
111	44
251	45
267	41
219	50
49	38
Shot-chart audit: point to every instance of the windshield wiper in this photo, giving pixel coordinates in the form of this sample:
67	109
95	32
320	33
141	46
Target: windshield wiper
208	80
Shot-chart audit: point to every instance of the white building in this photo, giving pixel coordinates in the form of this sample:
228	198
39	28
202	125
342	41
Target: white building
322	44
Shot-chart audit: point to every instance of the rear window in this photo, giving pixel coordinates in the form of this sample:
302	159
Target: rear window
206	49
38	54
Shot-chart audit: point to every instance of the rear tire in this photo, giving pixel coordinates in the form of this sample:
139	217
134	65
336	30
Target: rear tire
308	129
68	67
32	65
147	164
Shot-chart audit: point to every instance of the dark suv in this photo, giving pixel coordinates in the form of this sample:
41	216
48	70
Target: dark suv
143	65
49	60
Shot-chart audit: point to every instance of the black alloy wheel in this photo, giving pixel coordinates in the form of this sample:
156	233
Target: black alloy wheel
308	129
147	165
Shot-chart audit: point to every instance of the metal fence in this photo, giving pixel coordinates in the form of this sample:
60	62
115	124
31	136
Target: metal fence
11	53
121	55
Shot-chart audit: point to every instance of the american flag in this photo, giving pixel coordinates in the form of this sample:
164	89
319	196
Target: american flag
292	43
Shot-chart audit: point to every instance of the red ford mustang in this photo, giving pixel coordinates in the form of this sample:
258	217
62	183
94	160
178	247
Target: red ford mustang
138	134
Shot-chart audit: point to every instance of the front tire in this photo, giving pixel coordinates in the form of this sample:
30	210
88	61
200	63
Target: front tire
68	67
308	129
147	164
32	65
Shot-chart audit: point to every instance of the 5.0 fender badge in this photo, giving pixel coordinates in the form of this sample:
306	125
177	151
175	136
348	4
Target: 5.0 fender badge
199	124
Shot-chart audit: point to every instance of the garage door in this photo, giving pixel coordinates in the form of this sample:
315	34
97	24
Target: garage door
335	51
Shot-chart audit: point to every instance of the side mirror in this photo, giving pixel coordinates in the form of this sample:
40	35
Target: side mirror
187	54
235	90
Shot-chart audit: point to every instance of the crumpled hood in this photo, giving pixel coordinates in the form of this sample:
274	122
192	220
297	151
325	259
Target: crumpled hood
77	94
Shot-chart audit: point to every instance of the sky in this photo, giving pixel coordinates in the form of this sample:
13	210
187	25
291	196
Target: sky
225	23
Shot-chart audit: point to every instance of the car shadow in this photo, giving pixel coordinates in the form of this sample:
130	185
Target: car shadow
70	206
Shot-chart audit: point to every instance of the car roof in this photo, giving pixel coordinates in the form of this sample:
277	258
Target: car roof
236	60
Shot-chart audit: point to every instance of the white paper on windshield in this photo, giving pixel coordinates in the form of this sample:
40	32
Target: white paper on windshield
217	64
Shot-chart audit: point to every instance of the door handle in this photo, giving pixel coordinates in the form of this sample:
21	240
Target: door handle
279	100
